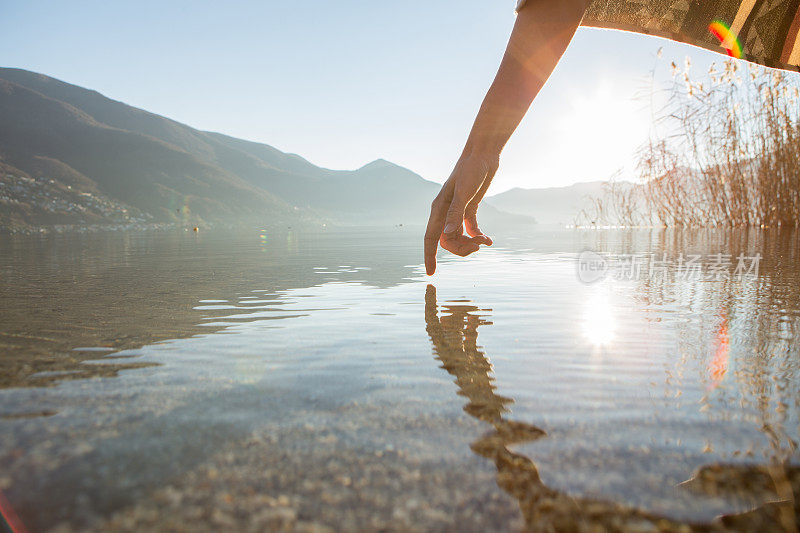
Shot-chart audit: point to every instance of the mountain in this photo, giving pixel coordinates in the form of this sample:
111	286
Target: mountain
69	155
555	205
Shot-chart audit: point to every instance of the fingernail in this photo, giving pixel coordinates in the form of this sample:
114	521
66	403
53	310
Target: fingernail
450	228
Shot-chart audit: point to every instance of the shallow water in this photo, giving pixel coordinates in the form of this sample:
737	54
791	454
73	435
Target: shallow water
254	380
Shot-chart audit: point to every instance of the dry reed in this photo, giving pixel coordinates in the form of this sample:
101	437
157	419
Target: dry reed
730	157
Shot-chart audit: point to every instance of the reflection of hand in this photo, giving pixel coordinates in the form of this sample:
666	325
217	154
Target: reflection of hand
461	323
454	338
455	206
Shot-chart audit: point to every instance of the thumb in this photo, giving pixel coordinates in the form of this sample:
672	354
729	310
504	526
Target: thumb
455	215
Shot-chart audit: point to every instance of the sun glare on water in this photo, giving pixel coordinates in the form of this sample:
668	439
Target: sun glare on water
599	324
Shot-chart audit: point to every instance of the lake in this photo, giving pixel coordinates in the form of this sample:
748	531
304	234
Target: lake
252	380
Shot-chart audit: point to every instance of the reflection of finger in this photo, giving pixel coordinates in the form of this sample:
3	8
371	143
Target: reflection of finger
430	296
431	310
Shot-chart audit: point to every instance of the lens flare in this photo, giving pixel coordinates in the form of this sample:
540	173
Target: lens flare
727	39
9	518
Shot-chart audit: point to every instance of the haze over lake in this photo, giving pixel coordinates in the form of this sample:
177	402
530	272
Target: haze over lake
291	378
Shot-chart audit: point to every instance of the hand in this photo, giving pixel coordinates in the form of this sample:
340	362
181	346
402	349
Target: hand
456	205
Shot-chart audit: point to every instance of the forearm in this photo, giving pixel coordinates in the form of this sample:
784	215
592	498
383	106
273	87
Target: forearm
543	30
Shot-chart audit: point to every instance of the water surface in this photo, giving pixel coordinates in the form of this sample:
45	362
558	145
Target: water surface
258	380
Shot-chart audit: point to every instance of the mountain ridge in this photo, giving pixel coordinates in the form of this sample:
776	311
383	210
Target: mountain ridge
57	137
550	205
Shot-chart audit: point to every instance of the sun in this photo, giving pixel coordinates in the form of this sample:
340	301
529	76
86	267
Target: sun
604	127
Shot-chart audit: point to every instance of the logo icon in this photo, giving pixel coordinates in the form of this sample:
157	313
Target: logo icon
592	267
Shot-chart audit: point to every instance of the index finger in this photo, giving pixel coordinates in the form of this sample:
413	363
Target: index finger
434	231
432	234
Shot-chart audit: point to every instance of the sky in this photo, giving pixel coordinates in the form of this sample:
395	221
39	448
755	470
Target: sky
344	83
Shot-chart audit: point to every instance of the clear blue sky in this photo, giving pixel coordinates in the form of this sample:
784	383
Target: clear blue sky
343	83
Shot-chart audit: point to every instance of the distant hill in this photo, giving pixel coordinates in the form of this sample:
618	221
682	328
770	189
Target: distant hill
555	205
70	155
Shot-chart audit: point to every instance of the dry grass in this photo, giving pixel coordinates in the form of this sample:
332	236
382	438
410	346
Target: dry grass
731	157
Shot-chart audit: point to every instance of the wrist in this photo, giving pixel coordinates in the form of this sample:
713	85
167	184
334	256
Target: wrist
483	152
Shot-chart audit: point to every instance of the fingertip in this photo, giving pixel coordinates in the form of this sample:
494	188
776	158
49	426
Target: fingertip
430	269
